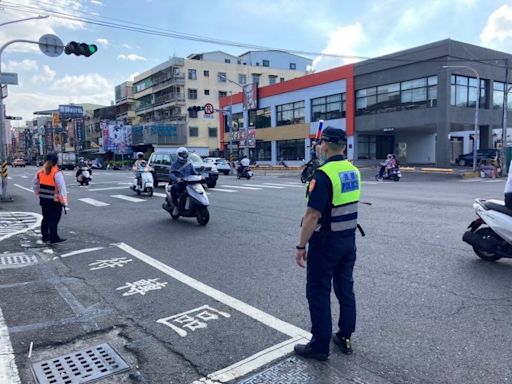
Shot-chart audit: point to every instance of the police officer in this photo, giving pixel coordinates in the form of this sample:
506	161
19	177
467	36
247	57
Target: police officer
328	228
49	185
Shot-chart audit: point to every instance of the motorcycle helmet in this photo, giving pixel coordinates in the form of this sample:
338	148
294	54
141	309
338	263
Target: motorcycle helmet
182	153
140	155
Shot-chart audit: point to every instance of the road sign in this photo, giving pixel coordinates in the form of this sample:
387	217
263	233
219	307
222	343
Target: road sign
51	45
9	78
209	109
4	91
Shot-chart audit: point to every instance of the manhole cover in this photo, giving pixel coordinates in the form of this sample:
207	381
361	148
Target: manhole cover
80	367
16	259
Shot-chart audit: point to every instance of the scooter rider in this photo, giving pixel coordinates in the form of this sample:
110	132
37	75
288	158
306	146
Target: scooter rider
182	167
244	163
140	162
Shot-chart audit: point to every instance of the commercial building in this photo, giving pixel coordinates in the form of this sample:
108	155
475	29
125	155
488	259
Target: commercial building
170	96
418	103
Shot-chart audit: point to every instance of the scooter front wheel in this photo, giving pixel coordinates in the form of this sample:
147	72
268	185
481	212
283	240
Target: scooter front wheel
203	216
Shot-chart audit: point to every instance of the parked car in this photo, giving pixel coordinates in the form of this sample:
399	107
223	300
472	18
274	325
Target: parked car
222	164
481	154
162	160
19	163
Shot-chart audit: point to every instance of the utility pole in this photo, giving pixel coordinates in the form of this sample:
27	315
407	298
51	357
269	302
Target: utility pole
504	165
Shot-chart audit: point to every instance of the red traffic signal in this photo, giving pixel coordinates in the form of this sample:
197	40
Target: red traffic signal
80	49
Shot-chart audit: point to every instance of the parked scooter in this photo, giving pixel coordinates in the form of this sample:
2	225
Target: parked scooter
393	174
244	172
192	202
143	183
494	240
309	170
84	175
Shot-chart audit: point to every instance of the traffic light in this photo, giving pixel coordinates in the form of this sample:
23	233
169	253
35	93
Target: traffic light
80	49
195	108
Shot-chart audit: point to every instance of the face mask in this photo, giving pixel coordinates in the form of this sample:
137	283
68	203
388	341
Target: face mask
322	155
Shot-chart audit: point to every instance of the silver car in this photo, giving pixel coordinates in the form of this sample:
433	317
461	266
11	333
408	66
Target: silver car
222	164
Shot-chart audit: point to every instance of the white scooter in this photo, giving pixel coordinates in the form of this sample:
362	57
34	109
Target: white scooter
83	175
146	181
493	241
193	202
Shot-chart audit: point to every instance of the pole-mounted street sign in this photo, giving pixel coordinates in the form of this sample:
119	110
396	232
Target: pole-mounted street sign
9	78
51	45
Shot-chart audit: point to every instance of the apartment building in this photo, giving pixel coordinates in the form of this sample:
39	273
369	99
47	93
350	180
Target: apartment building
125	103
166	95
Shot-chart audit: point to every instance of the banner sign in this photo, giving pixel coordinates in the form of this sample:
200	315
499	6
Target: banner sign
70	111
116	137
80	133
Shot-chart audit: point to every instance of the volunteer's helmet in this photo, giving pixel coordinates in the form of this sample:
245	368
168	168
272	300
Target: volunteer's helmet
140	155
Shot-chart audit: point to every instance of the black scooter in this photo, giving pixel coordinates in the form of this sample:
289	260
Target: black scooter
393	174
244	172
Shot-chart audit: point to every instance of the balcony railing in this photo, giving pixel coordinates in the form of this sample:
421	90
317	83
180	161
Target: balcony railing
176	80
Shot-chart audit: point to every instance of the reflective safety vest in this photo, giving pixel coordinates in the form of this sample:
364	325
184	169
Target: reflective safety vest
346	192
47	186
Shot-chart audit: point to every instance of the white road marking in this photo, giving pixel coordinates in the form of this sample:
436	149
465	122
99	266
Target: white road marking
264	186
9	178
254	362
157	194
26	189
285	185
240	187
128	198
107	188
222	190
96	203
8	368
85	250
19	222
124	183
24	177
295	183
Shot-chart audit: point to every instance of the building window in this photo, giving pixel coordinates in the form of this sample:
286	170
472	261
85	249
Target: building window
192	94
328	107
212	132
260	118
281	79
222	77
256	78
410	94
206	73
227	61
193	131
464	92
206	92
290	149
498	92
272	79
293	66
242	79
291	113
266	63
192	75
222	94
263	150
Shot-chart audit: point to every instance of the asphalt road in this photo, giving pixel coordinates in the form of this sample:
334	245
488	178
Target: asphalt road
179	301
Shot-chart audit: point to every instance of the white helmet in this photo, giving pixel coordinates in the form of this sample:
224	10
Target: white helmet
140	154
182	153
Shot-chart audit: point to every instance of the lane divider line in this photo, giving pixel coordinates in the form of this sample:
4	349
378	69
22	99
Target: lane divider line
8	369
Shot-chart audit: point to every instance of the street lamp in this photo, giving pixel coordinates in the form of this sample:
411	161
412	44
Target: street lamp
476	108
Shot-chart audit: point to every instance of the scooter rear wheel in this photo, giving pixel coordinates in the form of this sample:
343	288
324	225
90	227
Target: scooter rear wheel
485	234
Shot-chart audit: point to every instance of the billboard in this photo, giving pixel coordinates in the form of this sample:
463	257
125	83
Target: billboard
251	96
70	111
116	137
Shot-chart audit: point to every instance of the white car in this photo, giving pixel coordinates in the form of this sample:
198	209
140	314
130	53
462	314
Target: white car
222	164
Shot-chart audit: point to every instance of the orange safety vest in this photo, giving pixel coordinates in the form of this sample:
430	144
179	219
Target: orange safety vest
47	186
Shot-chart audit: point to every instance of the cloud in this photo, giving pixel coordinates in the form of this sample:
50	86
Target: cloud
498	30
103	42
20	66
131	57
48	75
97	2
82	84
131	77
343	42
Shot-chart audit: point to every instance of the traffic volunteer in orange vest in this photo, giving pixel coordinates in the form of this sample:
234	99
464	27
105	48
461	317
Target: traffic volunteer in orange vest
49	185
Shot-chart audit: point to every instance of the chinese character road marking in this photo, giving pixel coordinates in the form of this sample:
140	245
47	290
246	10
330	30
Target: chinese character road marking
110	263
142	286
191	319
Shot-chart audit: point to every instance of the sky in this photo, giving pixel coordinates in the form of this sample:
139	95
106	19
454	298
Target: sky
363	28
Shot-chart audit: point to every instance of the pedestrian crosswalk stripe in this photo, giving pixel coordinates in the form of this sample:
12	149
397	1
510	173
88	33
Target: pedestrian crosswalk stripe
222	190
240	187
285	185
24	177
128	198
106	189
96	203
26	189
264	186
159	194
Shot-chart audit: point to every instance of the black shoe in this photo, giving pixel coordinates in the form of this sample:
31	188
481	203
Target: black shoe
305	350
44	240
344	343
59	240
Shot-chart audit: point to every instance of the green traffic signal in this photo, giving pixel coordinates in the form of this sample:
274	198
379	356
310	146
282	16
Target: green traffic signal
82	49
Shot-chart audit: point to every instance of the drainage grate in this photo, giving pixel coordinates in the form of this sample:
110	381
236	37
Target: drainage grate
11	259
80	367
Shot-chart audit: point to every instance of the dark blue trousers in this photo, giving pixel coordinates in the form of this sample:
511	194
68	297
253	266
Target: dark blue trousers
330	259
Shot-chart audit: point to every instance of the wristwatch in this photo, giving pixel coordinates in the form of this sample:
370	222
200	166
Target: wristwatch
299	247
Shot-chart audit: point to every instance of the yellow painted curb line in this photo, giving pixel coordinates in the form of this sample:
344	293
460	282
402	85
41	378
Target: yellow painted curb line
470	175
440	170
